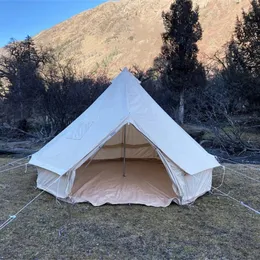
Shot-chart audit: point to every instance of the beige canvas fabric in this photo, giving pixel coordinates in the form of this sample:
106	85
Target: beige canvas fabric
135	144
59	186
124	122
188	187
151	178
146	182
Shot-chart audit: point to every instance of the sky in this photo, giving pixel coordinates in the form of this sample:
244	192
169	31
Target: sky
20	18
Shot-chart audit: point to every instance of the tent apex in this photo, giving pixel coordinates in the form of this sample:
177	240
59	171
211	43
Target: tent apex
124	76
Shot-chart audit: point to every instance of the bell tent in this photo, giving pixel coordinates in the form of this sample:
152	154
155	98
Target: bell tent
124	149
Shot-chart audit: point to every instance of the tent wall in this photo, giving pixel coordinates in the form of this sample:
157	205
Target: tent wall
196	185
59	186
190	187
135	144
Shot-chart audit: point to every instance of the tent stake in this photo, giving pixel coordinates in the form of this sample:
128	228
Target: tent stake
124	160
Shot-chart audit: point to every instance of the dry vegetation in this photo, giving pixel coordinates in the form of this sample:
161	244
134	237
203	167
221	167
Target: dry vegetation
215	227
127	32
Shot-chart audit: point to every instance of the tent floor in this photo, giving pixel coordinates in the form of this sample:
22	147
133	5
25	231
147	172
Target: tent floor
146	182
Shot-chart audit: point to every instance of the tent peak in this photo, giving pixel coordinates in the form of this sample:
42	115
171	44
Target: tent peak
125	76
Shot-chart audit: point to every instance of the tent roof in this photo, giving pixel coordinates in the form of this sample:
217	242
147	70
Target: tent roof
124	101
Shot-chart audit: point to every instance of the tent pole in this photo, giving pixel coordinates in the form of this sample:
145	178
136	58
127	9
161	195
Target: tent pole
124	160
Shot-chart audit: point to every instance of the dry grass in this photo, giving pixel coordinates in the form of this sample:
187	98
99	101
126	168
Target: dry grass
133	28
215	227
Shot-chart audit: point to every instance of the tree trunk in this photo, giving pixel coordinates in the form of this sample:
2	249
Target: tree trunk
181	108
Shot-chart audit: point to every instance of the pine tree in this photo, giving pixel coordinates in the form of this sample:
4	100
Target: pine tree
243	57
178	63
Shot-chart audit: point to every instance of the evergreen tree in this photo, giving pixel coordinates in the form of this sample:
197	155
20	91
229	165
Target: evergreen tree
178	63
243	57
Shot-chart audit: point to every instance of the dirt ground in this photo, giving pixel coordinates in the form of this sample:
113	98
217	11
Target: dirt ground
214	227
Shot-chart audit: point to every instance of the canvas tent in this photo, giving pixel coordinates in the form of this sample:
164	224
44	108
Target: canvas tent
124	149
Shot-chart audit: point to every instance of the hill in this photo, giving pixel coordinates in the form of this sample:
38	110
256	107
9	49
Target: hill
127	32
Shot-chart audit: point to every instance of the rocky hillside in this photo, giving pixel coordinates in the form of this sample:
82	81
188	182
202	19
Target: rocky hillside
127	32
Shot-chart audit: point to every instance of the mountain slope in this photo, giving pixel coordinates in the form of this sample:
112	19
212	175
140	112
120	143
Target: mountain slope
118	34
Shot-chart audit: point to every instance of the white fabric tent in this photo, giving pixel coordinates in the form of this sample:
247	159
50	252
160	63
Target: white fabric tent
124	149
